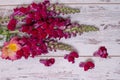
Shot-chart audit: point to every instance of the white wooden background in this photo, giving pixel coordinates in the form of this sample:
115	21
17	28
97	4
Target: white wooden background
104	14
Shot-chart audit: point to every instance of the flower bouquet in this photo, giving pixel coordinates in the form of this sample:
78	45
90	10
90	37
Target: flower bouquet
36	29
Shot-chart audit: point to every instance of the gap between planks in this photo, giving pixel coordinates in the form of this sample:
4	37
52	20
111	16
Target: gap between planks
81	56
67	4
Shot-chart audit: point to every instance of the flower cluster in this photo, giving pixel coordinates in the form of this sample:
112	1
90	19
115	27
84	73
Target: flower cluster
37	28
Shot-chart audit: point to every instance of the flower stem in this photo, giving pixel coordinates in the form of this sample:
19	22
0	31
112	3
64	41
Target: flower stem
14	32
6	19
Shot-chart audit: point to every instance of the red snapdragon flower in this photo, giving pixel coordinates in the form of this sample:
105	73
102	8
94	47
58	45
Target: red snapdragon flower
71	57
47	62
40	26
24	51
87	65
31	47
37	22
20	11
101	52
12	24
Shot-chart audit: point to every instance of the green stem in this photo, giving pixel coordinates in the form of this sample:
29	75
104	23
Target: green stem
14	32
6	19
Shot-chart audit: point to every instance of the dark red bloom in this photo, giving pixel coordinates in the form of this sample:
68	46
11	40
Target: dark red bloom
101	52
34	32
19	54
34	7
12	24
23	52
20	11
28	20
71	57
26	51
25	28
37	15
74	54
87	65
47	62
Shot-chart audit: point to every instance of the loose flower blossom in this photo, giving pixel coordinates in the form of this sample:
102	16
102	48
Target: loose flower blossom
71	57
87	65
47	62
101	52
9	50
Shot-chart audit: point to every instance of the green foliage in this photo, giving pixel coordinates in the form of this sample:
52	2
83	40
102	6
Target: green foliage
7	33
59	46
81	29
4	20
63	9
87	28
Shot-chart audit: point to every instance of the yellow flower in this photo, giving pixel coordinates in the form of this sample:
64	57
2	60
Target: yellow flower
9	50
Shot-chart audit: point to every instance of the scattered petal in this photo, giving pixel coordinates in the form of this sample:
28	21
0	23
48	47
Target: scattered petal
87	65
71	57
74	54
101	52
47	62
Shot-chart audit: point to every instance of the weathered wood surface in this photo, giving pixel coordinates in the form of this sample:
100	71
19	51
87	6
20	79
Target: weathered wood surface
31	69
104	14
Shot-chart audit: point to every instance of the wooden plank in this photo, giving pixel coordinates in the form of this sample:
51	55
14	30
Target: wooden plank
16	2
31	69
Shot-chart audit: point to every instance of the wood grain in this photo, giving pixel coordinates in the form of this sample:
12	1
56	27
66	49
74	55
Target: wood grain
105	69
